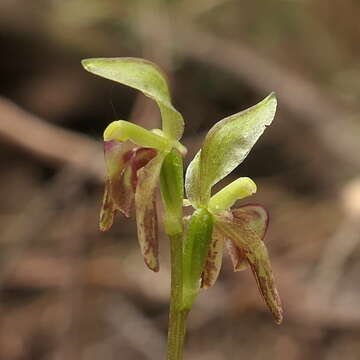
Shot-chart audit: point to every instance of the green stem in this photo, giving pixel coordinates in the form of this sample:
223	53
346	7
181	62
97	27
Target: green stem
177	317
172	191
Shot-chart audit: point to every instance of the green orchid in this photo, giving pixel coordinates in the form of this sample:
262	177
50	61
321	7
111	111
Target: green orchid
215	224
136	158
138	161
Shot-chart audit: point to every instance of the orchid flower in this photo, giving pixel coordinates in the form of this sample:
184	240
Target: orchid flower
135	156
215	224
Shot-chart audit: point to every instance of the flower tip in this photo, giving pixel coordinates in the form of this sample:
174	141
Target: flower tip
152	265
249	185
86	64
271	98
182	149
103	228
272	95
279	317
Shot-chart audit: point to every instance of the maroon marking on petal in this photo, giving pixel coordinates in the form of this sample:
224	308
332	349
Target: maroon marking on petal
151	249
237	257
126	157
107	209
140	157
145	195
253	213
213	261
255	252
108	145
267	289
207	281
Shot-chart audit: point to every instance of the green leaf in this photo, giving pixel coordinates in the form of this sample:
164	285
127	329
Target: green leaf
146	77
226	145
196	249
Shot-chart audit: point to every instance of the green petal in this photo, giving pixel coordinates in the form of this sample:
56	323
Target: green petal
214	260
227	196
253	248
145	77
146	215
121	131
227	144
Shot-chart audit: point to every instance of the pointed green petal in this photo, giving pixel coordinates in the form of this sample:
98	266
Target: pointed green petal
145	77
146	215
213	261
227	144
253	248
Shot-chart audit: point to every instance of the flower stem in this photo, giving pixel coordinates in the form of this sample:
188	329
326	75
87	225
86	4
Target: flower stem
177	317
172	191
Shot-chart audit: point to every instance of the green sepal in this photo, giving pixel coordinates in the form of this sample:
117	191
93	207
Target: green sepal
196	249
146	77
172	191
226	145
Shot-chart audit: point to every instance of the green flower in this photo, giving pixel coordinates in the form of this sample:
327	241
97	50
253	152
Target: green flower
136	158
215	225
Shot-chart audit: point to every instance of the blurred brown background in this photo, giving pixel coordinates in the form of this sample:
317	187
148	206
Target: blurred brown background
71	292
